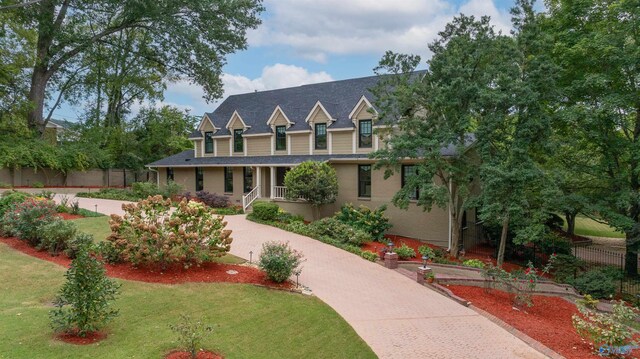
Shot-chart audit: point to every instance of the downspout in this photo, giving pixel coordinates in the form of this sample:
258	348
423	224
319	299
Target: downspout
157	176
450	219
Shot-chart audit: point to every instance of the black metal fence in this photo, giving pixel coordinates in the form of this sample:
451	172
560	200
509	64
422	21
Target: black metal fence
476	241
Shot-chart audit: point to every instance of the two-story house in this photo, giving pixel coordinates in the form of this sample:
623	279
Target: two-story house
244	148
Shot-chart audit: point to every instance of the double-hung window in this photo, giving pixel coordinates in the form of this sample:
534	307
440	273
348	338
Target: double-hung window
199	179
408	171
228	179
281	138
365	134
321	136
208	142
238	142
364	181
169	174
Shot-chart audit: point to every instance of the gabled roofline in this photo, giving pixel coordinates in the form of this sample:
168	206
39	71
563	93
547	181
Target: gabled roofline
273	117
313	109
364	99
233	115
206	117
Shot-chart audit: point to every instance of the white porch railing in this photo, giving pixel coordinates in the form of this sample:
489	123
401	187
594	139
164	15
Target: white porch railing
248	198
279	192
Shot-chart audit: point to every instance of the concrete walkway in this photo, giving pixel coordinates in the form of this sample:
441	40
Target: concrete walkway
397	317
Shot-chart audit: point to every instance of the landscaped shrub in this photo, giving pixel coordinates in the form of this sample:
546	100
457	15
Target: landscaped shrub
279	261
25	219
598	282
473	263
108	252
190	334
426	251
55	236
608	332
373	222
343	232
11	198
266	211
405	252
300	228
213	199
46	194
149	233
37	184
171	190
229	211
553	243
522	284
83	303
286	217
144	189
567	267
118	194
81	241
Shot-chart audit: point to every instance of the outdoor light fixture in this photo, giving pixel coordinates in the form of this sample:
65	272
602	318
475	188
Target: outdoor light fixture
96	208
424	261
250	256
390	244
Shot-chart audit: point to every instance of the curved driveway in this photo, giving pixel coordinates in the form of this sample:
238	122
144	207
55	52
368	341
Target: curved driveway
397	317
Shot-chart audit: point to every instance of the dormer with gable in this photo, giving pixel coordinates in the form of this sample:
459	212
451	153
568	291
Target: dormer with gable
319	120
279	123
363	116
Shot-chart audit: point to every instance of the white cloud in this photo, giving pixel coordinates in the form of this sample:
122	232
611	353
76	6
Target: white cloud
272	77
314	29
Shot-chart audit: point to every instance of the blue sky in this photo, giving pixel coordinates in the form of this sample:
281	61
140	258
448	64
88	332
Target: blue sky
308	41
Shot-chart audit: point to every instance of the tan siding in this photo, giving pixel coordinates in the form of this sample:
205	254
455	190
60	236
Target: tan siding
237	124
413	222
363	112
318	116
300	144
341	142
214	179
185	177
223	147
280	120
258	146
198	145
207	127
162	176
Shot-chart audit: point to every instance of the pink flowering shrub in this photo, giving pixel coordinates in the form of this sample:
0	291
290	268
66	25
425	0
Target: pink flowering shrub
150	233
24	220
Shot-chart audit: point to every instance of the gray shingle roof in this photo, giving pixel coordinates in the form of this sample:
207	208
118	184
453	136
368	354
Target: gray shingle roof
187	159
338	98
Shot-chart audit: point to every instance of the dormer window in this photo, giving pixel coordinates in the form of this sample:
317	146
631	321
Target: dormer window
321	136
208	142
281	138
238	143
365	132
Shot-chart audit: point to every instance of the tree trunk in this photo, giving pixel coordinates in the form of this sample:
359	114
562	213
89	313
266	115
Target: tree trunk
571	222
632	244
503	240
36	97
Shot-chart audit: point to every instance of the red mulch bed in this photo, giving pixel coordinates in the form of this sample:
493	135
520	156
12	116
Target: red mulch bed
203	354
206	273
90	338
67	216
548	321
375	247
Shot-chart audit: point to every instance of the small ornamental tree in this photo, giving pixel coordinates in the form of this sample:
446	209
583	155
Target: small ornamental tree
315	182
150	233
83	303
279	261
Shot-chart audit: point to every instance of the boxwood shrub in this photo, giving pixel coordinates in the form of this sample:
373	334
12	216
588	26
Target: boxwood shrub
266	211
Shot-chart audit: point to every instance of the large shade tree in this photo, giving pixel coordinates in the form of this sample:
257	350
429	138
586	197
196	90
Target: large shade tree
188	38
597	46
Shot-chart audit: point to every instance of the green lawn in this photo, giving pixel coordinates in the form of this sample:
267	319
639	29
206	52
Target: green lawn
249	322
586	226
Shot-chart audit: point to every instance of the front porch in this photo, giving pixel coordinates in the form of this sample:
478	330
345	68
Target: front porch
268	183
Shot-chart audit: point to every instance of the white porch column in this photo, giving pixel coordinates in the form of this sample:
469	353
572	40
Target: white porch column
259	181
272	171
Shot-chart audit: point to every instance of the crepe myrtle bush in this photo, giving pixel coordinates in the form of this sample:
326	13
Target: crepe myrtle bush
279	260
83	304
25	219
149	233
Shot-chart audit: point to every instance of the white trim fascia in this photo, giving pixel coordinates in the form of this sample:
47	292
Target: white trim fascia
299	131
202	154
233	116
288	145
353	142
311	143
231	147
205	117
222	136
257	134
330	142
273	144
313	109
364	99
215	148
244	145
340	129
376	144
195	138
273	117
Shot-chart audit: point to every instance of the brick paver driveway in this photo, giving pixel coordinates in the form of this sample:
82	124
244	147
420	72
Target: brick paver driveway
397	317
